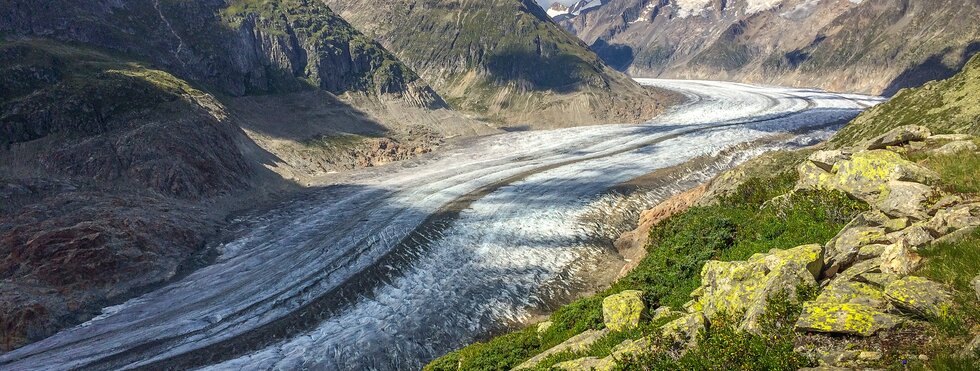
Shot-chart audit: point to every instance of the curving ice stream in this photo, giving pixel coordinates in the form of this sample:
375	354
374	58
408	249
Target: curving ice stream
391	267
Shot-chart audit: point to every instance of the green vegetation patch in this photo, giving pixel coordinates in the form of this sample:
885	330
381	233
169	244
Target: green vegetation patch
960	171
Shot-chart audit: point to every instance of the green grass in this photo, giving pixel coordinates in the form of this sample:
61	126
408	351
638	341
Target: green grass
955	265
960	172
734	229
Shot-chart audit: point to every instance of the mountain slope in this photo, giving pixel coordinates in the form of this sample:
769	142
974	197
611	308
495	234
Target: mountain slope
875	46
947	106
505	60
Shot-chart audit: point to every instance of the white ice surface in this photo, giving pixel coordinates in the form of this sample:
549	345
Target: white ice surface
490	266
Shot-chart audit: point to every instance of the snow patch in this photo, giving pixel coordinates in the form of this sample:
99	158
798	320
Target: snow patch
756	6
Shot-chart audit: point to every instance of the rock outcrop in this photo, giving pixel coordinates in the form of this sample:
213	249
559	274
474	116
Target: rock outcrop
623	311
746	287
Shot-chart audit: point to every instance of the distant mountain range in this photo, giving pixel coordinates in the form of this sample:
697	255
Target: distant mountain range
874	46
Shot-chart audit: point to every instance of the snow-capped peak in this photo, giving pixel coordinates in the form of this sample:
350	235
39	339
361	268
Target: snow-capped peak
557	9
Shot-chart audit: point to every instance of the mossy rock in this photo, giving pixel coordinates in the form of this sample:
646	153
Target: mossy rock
624	311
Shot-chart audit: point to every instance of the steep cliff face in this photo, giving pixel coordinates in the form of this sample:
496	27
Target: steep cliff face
876	46
505	60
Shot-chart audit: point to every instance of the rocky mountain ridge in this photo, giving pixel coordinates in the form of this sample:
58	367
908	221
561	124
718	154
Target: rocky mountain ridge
873	46
505	61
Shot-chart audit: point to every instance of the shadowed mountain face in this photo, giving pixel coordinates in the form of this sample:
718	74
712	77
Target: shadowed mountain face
875	46
503	59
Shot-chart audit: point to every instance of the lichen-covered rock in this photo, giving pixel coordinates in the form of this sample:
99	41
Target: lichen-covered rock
852	319
544	326
843	249
898	136
899	259
914	236
894	225
851	292
813	176
833	357
588	364
878	279
827	159
623	311
948	138
871	251
577	343
869	356
961	216
956	236
864	175
684	331
920	296
745	287
662	313
630	348
955	147
905	199
945	202
859	269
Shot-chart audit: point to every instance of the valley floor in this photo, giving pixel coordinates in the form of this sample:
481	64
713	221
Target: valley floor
387	268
